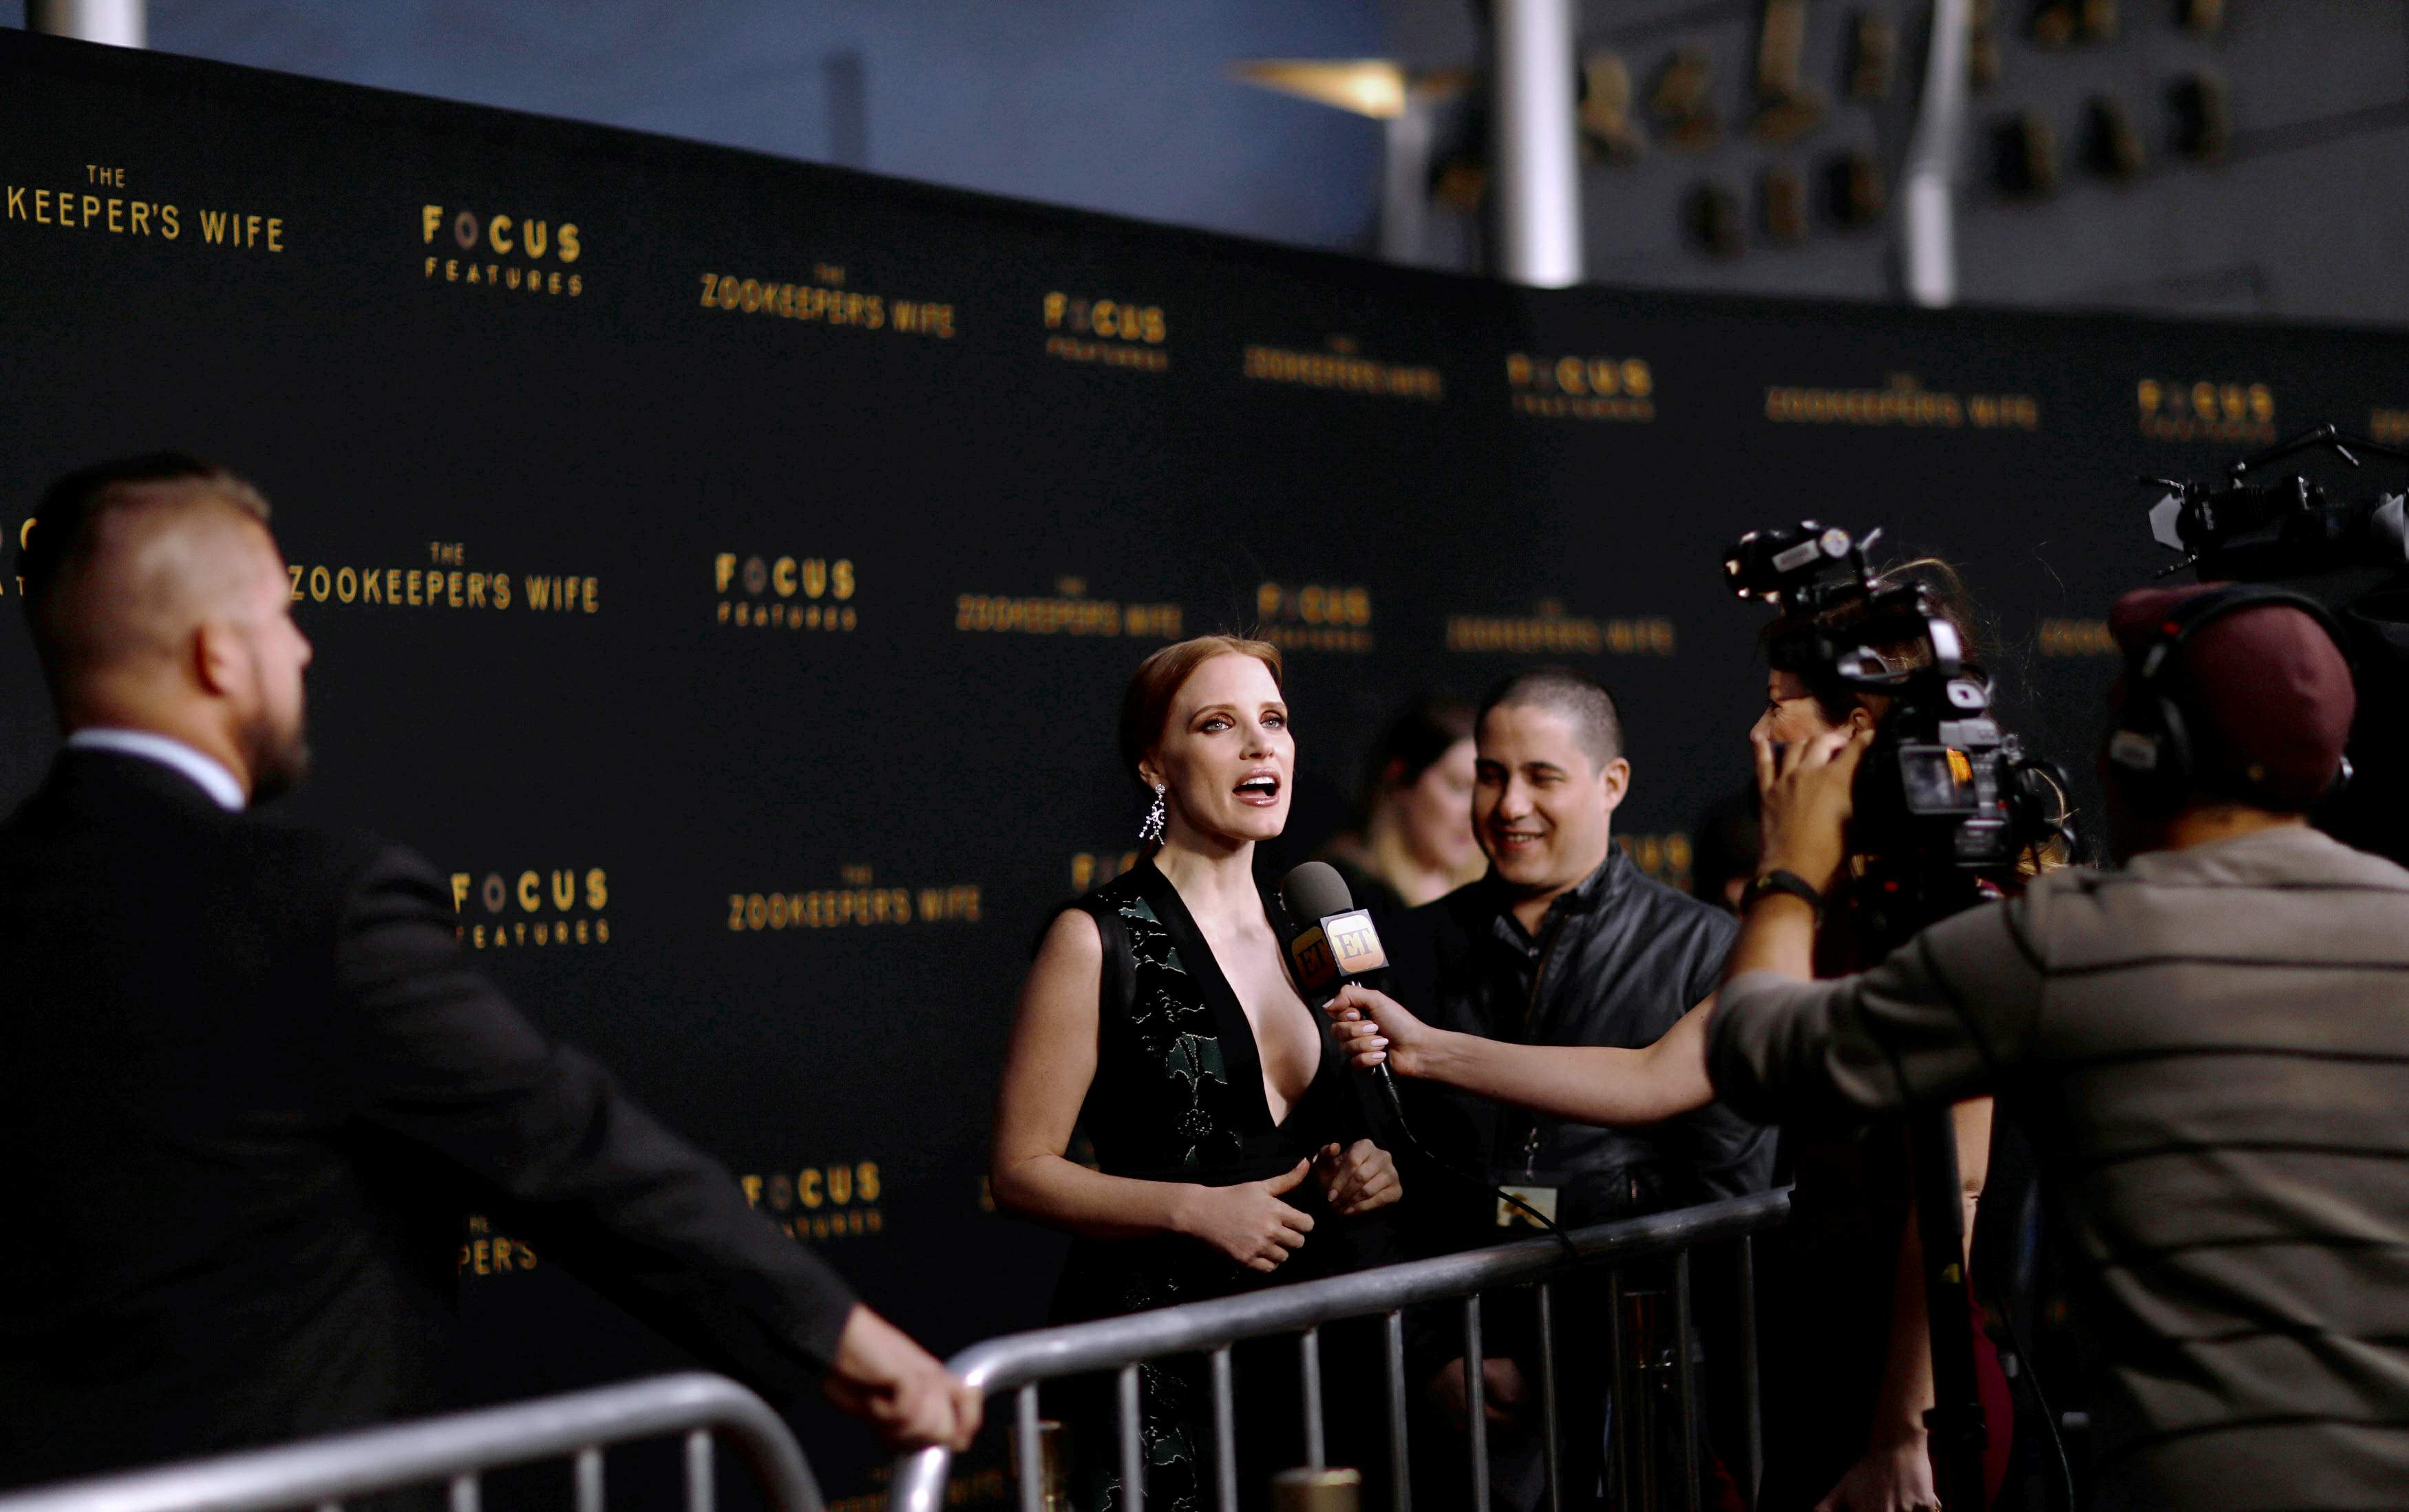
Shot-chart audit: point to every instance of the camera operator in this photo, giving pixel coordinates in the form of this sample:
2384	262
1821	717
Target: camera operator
2213	1041
1847	1332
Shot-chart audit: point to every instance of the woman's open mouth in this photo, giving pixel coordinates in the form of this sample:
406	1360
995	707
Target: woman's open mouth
1261	789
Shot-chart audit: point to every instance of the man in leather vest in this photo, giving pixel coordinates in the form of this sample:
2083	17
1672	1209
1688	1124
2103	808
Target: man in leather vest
1564	942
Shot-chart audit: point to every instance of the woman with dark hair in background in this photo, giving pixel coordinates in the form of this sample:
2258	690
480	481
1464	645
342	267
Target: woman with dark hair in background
1232	1148
1847	1356
1413	840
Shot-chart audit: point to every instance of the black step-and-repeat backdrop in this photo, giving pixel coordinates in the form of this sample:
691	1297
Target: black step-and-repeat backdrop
725	569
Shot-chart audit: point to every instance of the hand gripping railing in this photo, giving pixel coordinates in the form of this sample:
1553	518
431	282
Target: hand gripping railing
323	1473
1118	1344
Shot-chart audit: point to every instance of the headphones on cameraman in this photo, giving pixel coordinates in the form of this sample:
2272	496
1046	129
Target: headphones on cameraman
2152	747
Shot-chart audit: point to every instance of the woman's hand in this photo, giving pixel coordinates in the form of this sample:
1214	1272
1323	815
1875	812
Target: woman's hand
1372	1027
1248	1222
1804	801
1895	1476
1357	1179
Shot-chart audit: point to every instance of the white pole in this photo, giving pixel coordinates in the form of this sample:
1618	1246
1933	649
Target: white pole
122	23
1929	202
1536	147
1404	182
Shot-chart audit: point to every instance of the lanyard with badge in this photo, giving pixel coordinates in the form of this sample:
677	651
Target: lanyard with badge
1530	1186
1536	1189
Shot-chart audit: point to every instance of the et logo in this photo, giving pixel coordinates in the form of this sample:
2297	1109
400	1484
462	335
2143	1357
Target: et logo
503	233
1342	946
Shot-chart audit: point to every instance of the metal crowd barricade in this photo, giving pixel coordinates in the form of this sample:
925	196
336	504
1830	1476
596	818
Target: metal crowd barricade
1019	1361
457	1449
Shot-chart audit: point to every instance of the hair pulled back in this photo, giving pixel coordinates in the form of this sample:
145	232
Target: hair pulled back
1145	703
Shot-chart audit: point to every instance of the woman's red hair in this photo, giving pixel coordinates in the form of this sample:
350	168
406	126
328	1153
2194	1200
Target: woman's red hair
1145	704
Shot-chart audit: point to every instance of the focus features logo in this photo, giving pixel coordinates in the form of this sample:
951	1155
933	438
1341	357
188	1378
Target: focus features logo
838	1201
1581	388
791	593
2225	411
1114	333
500	249
1315	616
555	906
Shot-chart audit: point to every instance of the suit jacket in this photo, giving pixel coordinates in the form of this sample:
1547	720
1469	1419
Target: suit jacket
249	1082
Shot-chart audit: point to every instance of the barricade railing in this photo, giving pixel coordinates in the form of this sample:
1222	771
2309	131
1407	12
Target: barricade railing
456	1451
1017	1362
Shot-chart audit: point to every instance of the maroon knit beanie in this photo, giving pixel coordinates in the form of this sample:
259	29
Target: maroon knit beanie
2266	695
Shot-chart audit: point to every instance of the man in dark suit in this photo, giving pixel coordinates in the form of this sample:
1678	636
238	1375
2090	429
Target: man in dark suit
249	1081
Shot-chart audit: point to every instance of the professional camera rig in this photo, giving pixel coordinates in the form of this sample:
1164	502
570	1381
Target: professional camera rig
1947	803
2255	531
2348	550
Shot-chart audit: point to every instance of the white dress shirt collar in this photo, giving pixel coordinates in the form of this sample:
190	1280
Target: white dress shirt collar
209	775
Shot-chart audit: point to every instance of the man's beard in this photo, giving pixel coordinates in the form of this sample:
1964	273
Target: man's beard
280	757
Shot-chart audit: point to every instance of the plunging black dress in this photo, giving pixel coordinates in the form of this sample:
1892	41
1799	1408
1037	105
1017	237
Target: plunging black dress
1178	1096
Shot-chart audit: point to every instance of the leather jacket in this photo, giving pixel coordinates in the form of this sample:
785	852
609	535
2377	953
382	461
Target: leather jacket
1616	961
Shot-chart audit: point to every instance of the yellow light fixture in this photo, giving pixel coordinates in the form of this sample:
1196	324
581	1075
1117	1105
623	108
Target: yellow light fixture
1367	86
1373	87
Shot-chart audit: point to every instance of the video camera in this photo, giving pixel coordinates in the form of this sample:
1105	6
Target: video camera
2258	532
2350	552
1946	800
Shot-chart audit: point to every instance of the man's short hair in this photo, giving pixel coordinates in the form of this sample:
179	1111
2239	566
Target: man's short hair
70	530
1580	698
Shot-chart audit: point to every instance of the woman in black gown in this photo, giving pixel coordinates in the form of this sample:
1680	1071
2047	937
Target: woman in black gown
1231	1146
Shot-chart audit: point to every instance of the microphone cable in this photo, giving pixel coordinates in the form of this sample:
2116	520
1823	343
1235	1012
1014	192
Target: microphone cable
1388	1084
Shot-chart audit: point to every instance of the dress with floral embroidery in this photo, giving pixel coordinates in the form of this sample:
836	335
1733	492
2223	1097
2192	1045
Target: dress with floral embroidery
1178	1096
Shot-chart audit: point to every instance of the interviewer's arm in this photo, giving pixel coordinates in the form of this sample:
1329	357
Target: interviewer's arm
1936	1021
1587	1083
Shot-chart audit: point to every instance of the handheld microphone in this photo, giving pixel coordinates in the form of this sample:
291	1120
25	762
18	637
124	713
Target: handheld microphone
1338	945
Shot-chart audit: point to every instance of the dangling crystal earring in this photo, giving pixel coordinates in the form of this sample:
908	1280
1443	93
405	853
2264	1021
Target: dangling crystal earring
1152	829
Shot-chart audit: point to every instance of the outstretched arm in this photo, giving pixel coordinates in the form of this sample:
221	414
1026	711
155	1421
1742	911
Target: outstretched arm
1588	1084
441	1060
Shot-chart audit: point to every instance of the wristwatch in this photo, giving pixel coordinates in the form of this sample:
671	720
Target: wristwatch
1778	881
